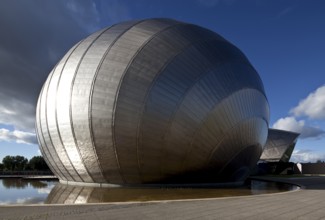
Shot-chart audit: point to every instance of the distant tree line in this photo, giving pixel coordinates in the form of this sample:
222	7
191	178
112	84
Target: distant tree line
20	163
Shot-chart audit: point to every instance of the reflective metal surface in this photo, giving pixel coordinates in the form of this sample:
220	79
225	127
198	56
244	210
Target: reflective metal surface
279	146
152	101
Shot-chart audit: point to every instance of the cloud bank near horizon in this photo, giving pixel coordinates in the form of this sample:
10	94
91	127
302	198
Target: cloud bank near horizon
312	108
17	136
299	126
306	156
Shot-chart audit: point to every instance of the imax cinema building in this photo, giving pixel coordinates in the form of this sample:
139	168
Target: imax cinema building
152	101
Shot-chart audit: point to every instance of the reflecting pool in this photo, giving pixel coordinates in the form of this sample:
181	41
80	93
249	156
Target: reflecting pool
19	191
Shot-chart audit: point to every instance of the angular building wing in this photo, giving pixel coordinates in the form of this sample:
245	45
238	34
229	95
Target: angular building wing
279	146
155	100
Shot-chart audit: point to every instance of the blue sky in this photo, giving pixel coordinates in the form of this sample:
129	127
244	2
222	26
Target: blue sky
283	39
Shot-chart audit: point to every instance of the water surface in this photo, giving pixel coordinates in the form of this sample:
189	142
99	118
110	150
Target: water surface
19	191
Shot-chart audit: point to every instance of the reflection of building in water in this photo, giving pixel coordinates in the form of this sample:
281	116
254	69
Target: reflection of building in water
64	194
68	194
155	100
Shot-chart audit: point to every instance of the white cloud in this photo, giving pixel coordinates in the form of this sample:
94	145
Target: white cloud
313	106
17	136
291	124
305	156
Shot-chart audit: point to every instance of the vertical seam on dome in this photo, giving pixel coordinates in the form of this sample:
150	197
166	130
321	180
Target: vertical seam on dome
90	108
123	75
113	111
39	133
153	83
70	107
148	92
91	101
56	114
41	149
45	94
47	127
197	79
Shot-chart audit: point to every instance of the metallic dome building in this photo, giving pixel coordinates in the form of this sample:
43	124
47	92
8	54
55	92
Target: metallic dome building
150	101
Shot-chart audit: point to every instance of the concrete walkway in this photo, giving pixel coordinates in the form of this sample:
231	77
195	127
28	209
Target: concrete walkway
307	203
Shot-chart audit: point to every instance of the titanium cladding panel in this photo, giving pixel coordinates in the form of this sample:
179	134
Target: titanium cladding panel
279	146
155	100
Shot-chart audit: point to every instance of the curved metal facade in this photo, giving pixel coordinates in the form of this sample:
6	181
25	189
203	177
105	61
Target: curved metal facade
155	100
279	146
